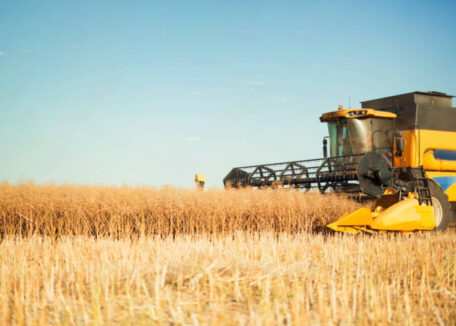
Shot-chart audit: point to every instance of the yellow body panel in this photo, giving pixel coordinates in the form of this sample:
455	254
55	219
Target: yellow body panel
406	215
348	223
419	141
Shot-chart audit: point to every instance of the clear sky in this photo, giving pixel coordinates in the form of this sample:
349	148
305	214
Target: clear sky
151	92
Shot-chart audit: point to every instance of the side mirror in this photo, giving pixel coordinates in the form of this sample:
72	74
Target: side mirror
399	144
325	147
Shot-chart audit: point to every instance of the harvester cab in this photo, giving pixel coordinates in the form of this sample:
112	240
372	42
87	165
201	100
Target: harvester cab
358	131
398	152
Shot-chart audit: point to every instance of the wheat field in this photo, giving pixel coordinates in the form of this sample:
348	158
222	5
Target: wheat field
76	255
120	212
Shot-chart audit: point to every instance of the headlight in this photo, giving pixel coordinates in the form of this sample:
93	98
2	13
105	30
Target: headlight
356	113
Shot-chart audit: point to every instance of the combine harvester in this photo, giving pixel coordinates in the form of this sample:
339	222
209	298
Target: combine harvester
399	151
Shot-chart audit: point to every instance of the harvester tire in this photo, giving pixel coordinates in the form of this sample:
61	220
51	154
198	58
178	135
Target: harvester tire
441	205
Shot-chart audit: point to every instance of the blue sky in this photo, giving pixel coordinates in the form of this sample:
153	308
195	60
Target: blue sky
149	92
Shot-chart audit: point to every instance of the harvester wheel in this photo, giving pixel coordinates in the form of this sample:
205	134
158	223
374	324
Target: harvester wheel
442	207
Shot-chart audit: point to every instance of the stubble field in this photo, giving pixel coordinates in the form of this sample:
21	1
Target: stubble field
101	255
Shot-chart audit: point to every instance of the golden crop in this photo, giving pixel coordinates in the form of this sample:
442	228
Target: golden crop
125	211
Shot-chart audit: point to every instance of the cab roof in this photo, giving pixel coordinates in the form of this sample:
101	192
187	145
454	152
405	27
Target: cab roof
355	114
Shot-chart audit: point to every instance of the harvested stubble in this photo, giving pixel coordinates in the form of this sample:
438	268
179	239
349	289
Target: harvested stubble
239	279
120	212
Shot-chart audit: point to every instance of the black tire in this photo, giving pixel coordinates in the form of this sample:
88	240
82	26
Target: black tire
441	205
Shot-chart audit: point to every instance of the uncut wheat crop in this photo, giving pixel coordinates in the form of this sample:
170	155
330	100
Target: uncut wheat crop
125	211
76	255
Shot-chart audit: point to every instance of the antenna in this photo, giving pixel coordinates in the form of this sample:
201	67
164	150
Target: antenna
349	103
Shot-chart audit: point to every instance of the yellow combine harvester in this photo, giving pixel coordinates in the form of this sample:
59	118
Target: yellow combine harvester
399	151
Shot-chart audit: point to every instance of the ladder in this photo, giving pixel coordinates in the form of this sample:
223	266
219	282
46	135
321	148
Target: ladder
421	186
